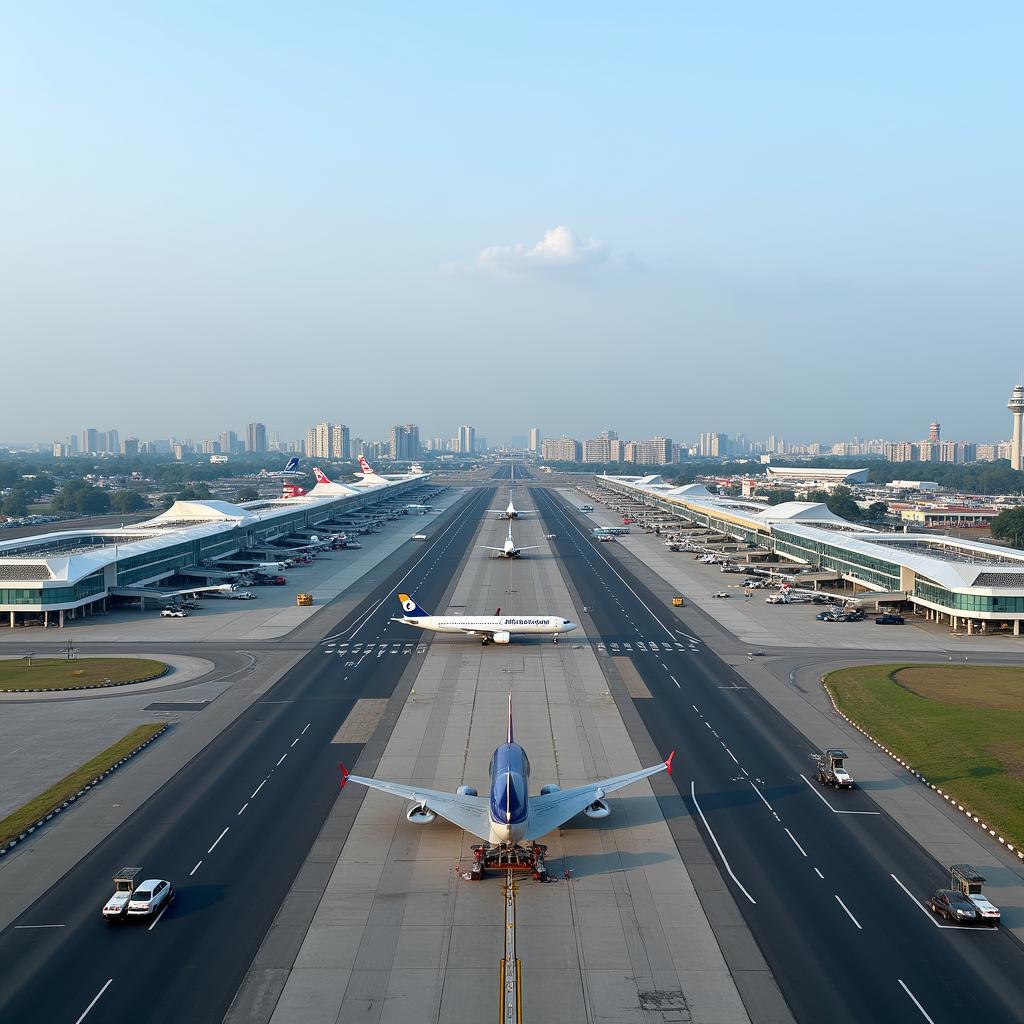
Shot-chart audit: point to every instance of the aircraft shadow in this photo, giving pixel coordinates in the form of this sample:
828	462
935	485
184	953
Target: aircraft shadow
587	865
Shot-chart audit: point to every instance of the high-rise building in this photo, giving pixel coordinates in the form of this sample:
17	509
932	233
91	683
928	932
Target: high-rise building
228	442
113	441
948	451
1016	407
564	449
340	445
318	441
986	453
656	451
60	450
712	445
925	451
465	443
935	434
130	446
405	441
597	449
255	437
90	440
535	440
900	451
71	444
1004	450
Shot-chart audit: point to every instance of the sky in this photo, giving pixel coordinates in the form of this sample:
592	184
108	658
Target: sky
795	218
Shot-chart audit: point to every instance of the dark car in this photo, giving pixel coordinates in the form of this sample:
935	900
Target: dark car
953	906
827	617
889	620
853	615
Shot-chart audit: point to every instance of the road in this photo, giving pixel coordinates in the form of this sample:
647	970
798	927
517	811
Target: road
830	888
231	831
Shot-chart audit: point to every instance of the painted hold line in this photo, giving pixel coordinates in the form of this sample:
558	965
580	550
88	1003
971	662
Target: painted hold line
848	914
95	1000
796	844
913	999
218	839
714	839
828	805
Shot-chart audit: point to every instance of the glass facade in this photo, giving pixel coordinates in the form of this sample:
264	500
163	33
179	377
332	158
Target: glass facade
90	586
968	603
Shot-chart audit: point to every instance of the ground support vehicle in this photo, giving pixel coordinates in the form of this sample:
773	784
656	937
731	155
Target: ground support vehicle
831	770
303	600
510	858
124	885
969	884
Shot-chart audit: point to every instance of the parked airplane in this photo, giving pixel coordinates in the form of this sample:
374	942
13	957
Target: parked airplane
509	549
370	476
509	814
497	627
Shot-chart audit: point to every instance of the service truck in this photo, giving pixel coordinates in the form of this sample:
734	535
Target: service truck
831	769
124	885
967	881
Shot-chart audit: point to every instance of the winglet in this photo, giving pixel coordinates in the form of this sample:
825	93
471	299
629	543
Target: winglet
510	740
668	763
344	775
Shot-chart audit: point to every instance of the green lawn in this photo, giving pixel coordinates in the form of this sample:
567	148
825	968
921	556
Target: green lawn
14	824
961	727
57	673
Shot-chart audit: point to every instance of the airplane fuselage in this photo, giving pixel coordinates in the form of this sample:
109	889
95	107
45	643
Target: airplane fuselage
509	796
546	624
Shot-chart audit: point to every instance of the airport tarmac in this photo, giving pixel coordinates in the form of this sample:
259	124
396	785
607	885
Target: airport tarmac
271	615
763	625
399	935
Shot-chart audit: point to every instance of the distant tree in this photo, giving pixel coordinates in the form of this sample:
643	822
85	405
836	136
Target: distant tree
195	492
1009	526
247	494
780	496
81	497
876	511
127	501
15	504
94	502
841	502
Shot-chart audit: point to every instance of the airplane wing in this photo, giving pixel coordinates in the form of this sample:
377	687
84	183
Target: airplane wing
531	547
487	547
468	812
551	810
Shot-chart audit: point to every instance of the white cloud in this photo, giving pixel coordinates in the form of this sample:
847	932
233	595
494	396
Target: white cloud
560	249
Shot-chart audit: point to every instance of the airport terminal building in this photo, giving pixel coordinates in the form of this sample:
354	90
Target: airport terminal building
972	585
68	574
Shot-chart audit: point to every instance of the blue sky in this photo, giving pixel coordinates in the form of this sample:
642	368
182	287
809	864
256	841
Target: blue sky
667	218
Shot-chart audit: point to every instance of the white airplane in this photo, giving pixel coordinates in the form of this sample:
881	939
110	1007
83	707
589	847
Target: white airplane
509	814
496	628
369	477
509	549
511	512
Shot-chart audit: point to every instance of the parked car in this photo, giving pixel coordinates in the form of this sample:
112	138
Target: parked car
174	613
953	906
828	616
889	620
150	897
721	593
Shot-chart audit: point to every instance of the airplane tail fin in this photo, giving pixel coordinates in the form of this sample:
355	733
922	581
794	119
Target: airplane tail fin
321	476
410	607
367	469
510	738
292	465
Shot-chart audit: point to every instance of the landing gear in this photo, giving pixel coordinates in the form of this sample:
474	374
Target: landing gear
484	642
510	858
555	640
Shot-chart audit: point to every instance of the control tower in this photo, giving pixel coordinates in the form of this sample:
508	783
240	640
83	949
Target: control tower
1016	406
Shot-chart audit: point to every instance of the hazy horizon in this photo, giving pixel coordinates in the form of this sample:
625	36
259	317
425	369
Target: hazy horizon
667	220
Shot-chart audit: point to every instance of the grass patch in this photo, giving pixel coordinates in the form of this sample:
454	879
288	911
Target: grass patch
61	674
961	727
25	817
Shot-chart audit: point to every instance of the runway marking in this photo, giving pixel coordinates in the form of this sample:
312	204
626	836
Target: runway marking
819	874
158	916
294	741
218	839
915	1002
728	867
676	681
949	927
27	927
796	844
303	733
241	809
730	753
828	805
195	869
96	999
283	756
763	801
848	914
257	789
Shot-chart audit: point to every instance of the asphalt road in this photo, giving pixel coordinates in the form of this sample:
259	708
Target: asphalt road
230	831
818	874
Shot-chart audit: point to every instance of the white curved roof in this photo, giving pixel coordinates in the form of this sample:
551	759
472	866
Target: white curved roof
814	511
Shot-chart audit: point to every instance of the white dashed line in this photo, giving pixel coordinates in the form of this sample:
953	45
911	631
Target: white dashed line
257	789
96	999
731	754
218	839
819	874
913	999
294	741
714	839
796	844
283	756
241	809
158	916
761	795
848	914
676	681
195	869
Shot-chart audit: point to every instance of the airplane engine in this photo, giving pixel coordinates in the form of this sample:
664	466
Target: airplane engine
420	814
550	788
502	638
466	791
598	809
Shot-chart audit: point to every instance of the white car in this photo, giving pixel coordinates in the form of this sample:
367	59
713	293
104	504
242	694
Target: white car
419	536
988	913
174	613
150	898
